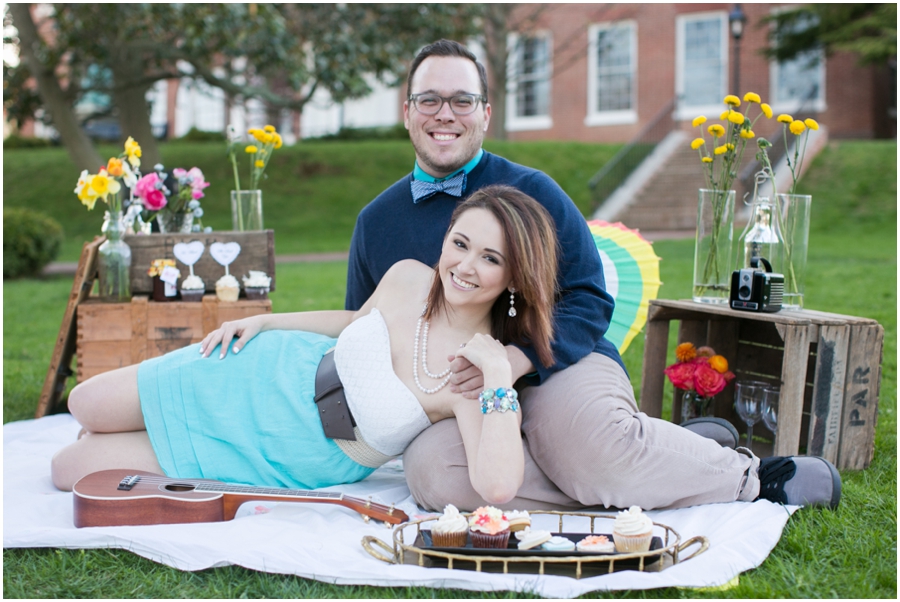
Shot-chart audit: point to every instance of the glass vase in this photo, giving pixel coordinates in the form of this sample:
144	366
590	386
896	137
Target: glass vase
694	405
171	222
246	210
114	259
794	212
712	246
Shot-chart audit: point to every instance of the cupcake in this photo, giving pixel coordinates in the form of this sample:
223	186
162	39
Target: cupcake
227	288
558	543
518	520
489	528
450	530
632	530
256	285
598	544
192	288
532	538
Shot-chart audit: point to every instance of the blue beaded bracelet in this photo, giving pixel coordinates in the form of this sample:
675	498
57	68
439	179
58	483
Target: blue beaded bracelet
499	400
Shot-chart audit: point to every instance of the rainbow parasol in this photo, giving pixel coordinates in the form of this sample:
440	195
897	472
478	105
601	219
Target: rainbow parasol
631	270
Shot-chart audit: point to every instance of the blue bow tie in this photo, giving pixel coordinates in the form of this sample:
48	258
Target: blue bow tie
453	186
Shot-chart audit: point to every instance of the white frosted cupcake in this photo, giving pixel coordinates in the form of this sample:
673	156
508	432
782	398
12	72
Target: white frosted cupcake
518	520
450	530
257	285
632	530
192	288
227	288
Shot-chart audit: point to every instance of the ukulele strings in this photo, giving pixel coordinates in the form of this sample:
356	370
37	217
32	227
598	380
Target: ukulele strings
213	487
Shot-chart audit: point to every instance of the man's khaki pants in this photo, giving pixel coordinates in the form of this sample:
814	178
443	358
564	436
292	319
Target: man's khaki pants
586	444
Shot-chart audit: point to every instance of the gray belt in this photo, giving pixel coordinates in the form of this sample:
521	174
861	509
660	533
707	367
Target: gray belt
337	421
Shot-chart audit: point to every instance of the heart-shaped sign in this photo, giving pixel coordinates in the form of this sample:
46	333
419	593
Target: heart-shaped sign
188	252
224	252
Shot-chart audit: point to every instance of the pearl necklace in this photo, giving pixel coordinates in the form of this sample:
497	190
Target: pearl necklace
446	373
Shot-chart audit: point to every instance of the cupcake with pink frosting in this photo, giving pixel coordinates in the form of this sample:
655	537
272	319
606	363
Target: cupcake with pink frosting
489	528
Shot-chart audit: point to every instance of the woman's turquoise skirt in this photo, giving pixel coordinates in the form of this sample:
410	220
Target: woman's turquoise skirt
248	418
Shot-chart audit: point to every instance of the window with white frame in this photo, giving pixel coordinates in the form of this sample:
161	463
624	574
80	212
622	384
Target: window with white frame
612	73
528	88
701	62
800	81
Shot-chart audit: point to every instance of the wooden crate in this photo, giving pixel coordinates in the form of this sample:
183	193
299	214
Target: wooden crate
828	367
112	335
257	253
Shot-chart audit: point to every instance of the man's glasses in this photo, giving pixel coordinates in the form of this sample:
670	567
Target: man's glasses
431	104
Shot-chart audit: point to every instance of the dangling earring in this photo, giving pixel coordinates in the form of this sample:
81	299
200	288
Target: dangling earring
512	303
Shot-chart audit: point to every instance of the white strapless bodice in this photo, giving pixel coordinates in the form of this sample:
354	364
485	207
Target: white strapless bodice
386	412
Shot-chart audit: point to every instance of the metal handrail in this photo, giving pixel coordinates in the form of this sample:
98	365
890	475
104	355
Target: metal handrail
617	169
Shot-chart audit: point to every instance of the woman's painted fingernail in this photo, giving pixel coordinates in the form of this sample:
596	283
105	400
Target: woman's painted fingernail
236	349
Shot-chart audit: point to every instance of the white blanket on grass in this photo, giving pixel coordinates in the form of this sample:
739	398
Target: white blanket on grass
322	541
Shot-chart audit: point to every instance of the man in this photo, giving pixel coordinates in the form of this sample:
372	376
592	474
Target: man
585	441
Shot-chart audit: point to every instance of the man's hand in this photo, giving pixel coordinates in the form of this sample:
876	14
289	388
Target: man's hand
469	380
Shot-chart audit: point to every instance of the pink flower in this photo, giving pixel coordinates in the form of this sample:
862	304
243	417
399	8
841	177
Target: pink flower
198	182
682	374
155	200
146	189
707	381
196	195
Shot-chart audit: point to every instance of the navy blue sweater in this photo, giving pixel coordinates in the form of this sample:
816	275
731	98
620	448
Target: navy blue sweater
392	228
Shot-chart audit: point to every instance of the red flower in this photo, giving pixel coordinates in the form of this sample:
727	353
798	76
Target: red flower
707	381
681	374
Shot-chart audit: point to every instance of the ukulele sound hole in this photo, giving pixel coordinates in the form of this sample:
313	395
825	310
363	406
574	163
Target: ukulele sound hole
179	487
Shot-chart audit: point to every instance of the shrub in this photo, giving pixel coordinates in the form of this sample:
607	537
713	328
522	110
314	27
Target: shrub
392	132
31	240
195	135
16	141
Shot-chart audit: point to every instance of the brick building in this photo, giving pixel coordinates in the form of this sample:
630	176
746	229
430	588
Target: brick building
601	72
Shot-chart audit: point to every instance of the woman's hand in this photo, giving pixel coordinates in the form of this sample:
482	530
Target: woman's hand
489	356
244	330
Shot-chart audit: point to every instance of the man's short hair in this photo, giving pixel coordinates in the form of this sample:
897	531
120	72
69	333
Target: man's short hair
447	48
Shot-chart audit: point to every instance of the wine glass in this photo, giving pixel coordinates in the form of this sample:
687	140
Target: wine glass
770	408
748	398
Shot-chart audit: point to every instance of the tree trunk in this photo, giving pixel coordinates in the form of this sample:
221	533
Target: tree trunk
80	148
134	110
496	18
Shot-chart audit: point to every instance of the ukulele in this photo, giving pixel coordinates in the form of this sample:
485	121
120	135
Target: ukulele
112	498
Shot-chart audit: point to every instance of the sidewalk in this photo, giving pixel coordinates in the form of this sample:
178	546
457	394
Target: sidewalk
65	267
69	267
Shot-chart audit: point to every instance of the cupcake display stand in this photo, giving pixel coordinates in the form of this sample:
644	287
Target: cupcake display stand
666	549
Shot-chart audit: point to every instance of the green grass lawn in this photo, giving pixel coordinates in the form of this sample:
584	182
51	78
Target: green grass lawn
850	552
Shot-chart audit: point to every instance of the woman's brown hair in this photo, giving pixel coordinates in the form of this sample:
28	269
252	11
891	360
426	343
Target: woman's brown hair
531	250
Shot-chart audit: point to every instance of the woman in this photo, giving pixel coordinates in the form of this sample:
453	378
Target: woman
248	416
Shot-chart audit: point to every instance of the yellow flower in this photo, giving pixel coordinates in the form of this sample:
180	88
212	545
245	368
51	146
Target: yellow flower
114	167
270	129
103	185
785	118
729	146
732	100
719	364
752	97
736	118
767	110
721	150
260	135
707	159
278	141
685	352
716	130
811	124
797	127
697	143
260	163
250	149
698	120
133	150
725	114
86	194
747	134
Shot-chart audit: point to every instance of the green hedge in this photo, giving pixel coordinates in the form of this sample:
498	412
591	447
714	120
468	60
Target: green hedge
31	240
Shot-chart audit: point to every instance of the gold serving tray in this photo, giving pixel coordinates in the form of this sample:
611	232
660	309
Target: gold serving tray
665	551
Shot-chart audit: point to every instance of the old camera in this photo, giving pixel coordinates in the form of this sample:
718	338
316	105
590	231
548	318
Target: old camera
753	289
